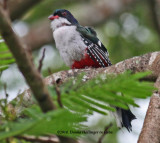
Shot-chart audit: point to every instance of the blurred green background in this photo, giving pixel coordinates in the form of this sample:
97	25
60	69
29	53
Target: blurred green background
129	33
126	31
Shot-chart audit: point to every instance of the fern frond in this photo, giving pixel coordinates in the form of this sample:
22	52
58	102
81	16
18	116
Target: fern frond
6	57
80	100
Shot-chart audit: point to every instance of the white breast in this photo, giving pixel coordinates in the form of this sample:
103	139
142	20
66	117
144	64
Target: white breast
69	43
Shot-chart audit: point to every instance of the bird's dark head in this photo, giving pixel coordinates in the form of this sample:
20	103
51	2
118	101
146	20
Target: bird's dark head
62	13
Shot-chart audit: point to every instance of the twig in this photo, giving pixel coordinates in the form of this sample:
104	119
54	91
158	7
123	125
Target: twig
41	139
54	82
5	90
105	132
58	92
41	61
58	95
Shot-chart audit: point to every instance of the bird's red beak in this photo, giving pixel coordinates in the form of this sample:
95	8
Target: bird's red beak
51	17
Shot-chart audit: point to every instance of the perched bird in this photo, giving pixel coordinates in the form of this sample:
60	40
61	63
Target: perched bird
80	48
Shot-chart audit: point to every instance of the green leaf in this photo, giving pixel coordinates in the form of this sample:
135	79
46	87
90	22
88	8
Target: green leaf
48	123
116	91
80	100
13	129
6	57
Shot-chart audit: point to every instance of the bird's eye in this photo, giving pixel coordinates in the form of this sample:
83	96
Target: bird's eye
64	13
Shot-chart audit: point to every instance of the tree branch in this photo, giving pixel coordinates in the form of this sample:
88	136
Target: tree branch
35	39
155	17
151	128
147	62
41	139
24	63
32	76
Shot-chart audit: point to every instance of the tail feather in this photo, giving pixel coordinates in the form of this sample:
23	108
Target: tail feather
124	118
127	117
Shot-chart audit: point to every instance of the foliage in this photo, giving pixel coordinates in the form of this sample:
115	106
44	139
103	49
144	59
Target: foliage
104	90
79	101
6	57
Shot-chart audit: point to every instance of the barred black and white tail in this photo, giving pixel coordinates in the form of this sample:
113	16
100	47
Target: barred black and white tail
124	118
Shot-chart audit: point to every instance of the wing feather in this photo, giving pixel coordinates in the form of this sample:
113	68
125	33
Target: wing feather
96	49
98	58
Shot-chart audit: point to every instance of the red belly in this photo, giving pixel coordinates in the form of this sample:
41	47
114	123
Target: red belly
86	62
